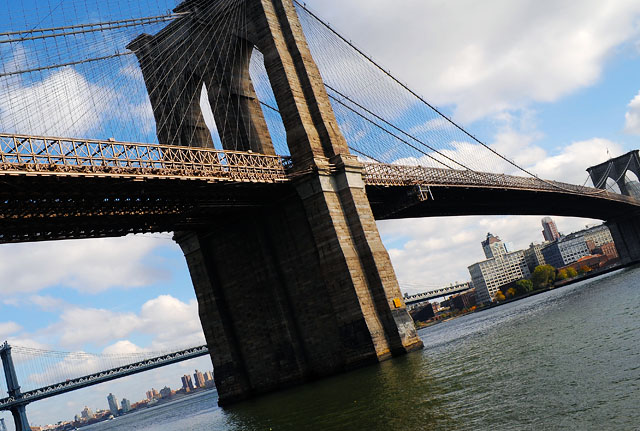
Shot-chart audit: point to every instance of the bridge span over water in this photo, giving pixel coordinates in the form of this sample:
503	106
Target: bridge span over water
58	188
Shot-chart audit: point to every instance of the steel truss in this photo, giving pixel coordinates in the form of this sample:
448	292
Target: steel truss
28	155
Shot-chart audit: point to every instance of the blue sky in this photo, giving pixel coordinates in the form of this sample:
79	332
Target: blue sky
551	84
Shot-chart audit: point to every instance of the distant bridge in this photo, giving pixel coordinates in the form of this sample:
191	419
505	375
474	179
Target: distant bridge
437	293
17	400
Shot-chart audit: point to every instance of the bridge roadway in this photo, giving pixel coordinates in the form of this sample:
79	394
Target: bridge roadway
54	188
101	377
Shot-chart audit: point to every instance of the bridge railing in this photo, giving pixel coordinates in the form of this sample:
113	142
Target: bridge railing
401	175
62	156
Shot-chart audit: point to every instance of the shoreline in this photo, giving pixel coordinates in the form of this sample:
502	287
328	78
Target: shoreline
556	285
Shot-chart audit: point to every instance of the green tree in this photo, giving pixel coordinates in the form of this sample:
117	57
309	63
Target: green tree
543	276
563	274
571	272
524	286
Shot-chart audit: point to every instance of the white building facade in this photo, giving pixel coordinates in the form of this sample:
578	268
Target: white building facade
489	275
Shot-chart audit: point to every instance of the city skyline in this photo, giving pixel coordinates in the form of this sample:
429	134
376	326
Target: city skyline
124	406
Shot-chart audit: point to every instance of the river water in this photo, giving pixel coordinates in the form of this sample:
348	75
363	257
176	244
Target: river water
563	360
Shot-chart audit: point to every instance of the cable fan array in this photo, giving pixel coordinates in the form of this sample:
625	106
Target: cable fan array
66	71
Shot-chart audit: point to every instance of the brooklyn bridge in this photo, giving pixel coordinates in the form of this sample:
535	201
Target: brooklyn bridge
270	145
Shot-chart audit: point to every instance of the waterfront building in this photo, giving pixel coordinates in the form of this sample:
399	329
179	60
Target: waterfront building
549	229
198	379
566	250
533	255
208	376
608	250
87	413
113	404
126	405
423	312
464	300
187	383
153	393
166	392
592	261
493	246
489	275
598	235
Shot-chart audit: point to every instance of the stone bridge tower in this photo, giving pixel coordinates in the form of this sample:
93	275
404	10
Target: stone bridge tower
625	229
301	288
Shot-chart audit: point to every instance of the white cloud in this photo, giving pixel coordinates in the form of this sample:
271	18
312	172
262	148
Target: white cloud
486	57
79	326
632	117
570	163
85	265
65	103
169	322
7	329
47	303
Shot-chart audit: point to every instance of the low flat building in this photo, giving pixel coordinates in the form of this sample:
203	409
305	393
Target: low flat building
565	250
464	300
599	235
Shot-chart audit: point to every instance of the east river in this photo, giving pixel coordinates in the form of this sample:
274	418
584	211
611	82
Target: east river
563	360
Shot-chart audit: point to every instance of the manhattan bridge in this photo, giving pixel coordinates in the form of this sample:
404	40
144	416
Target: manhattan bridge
270	145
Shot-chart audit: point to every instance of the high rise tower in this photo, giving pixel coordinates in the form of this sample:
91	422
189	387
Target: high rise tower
493	246
113	404
549	229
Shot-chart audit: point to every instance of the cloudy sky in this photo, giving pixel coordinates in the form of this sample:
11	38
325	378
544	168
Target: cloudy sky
552	84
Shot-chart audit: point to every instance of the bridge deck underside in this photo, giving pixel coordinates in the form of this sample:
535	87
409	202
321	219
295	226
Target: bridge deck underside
399	202
34	208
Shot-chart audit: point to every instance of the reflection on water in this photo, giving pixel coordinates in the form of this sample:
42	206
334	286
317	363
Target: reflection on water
565	359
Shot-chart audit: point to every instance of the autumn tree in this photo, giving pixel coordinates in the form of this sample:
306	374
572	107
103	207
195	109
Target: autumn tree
585	269
571	272
562	274
500	296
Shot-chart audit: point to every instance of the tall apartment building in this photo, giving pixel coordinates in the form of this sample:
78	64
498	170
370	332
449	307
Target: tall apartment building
187	383
549	229
126	405
113	404
489	275
198	379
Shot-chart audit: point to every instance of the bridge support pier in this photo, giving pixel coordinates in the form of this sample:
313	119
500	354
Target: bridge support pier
626	236
20	418
298	291
303	288
19	412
